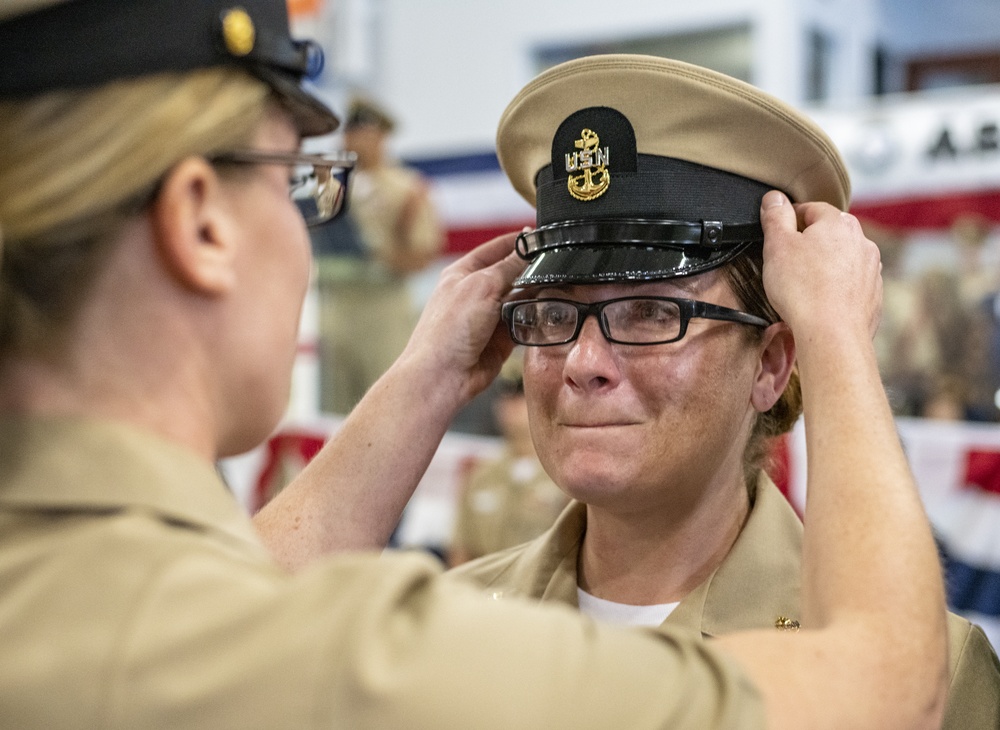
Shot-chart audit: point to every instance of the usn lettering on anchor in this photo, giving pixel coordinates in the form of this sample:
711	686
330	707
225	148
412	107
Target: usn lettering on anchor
592	162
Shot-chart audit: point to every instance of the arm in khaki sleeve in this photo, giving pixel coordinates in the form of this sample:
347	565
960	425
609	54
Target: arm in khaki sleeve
353	492
436	655
974	692
371	642
872	652
419	236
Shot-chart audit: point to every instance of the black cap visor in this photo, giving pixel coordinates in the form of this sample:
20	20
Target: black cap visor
312	117
593	251
595	264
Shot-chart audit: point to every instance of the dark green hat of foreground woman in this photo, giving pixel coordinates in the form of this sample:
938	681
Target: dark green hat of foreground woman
92	42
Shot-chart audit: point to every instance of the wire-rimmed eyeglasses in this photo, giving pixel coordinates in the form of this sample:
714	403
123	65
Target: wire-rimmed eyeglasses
625	320
317	184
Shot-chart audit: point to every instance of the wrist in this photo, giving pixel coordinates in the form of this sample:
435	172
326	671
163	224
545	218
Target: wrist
420	377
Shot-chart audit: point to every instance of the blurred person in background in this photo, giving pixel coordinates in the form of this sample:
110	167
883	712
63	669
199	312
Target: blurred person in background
979	289
898	300
946	400
656	367
934	341
506	500
926	342
978	277
931	341
390	231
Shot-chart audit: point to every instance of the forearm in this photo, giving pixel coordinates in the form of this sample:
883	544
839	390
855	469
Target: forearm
872	651
868	534
351	495
872	598
869	559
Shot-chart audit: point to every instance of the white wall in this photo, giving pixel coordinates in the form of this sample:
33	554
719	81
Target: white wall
449	67
928	26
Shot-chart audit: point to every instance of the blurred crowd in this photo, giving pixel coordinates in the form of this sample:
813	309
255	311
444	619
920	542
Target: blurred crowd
939	341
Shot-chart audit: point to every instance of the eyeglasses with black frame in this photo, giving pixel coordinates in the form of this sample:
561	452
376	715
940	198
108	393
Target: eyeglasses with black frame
317	184
625	320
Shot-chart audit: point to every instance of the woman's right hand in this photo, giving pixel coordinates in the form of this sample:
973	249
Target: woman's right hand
820	271
460	341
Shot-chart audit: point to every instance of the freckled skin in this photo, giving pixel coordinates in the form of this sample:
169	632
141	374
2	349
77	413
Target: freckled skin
641	428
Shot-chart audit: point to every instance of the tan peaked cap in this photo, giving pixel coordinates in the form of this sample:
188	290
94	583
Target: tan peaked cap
681	111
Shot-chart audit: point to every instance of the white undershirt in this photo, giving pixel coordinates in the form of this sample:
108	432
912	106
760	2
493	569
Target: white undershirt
622	614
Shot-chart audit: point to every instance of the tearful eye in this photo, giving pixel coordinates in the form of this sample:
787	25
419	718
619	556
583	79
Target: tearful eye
557	316
525	317
650	312
643	320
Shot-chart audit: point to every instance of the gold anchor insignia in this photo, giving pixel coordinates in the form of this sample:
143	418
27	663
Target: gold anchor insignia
594	178
783	623
238	31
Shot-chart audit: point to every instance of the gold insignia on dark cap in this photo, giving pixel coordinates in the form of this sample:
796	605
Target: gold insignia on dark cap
592	161
238	31
695	152
782	623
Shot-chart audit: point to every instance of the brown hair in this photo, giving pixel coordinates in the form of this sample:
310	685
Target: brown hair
77	165
745	276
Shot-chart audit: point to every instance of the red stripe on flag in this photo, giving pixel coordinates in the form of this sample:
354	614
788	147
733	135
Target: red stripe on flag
461	240
779	467
982	471
930	211
285	452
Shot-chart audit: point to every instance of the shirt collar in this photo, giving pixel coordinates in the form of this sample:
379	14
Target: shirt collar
759	580
71	463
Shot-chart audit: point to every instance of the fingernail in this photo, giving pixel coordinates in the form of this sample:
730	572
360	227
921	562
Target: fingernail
773	199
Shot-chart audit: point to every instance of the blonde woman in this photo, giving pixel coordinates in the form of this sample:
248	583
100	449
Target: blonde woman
153	269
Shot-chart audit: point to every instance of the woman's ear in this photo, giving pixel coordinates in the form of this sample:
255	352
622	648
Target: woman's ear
193	228
777	358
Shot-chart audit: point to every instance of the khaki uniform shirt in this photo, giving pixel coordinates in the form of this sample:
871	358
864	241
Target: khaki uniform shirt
366	312
505	502
135	594
756	586
389	197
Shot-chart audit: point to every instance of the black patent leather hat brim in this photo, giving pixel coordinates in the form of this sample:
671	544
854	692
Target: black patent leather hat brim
312	117
612	263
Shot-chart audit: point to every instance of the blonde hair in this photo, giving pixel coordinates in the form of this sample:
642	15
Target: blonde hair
75	165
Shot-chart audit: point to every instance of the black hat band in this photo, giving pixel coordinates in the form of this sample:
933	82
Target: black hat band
663	188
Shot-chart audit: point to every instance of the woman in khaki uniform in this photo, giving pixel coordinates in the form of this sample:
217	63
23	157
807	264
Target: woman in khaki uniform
659	433
366	308
152	273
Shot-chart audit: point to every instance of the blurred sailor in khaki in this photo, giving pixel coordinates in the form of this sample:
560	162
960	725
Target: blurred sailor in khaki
365	260
509	499
654	374
153	268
